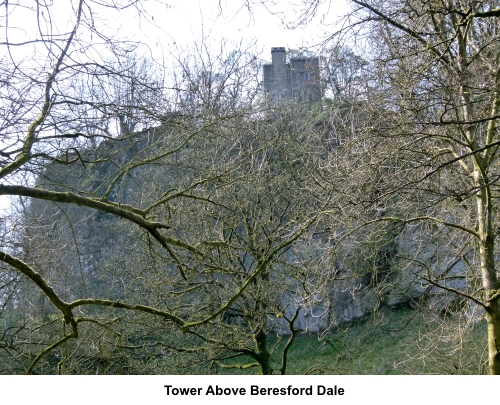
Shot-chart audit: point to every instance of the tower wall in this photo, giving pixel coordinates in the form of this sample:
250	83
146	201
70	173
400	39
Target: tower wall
297	80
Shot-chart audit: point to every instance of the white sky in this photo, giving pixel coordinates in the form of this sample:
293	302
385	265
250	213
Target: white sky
184	22
188	20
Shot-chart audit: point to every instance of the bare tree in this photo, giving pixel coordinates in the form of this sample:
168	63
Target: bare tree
194	172
426	160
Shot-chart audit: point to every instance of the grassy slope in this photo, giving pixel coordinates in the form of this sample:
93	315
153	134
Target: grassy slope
392	342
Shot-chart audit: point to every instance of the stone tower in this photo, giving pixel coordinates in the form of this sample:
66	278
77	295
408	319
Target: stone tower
296	80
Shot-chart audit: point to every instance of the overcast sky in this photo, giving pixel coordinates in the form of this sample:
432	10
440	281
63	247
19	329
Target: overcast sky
187	21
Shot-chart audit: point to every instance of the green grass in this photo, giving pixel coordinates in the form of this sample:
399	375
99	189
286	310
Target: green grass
373	345
390	342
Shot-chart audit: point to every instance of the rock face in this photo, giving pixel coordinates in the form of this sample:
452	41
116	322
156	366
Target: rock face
411	270
83	247
350	300
345	301
79	241
426	255
83	242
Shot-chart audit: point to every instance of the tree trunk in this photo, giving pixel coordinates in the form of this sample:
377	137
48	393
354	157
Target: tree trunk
493	319
488	269
263	354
